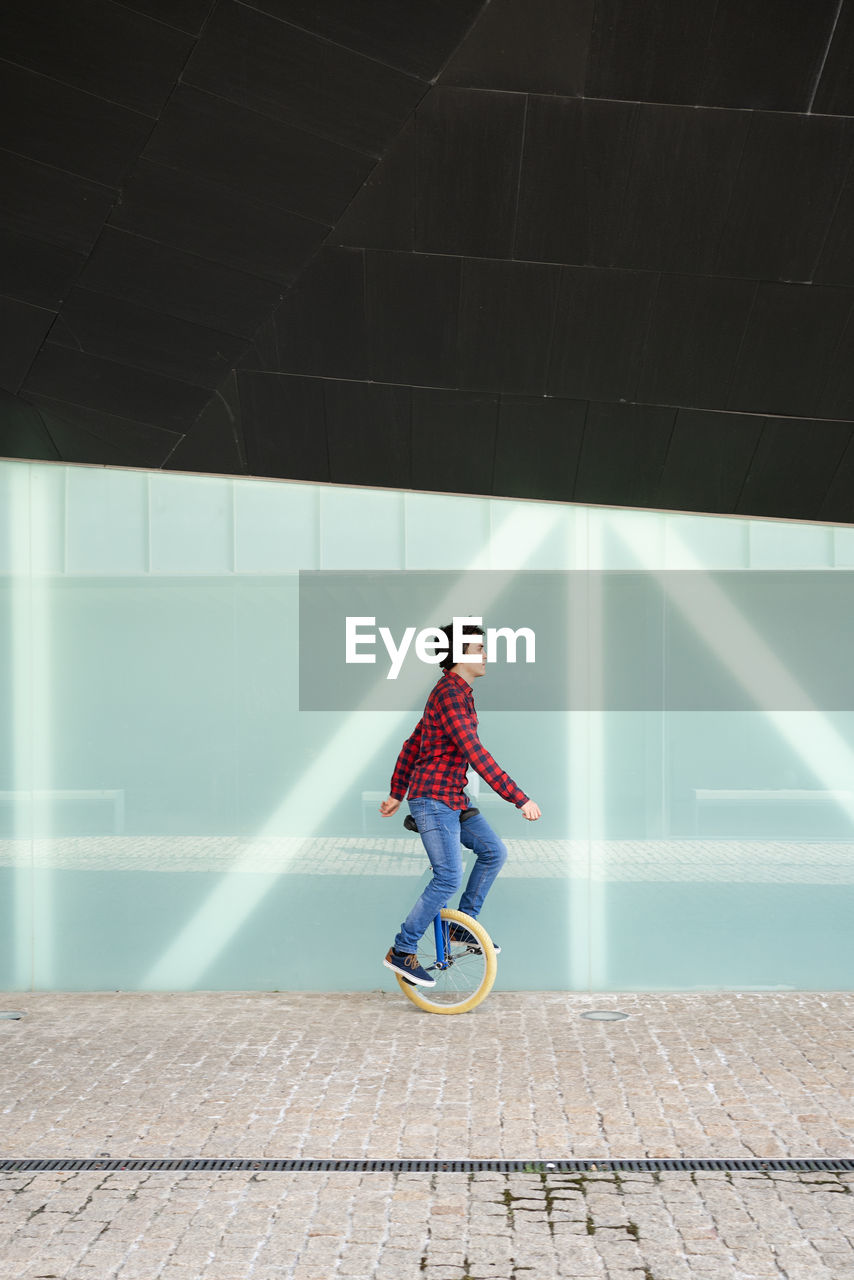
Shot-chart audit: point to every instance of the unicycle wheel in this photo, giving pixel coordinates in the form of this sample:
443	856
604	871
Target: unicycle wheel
469	973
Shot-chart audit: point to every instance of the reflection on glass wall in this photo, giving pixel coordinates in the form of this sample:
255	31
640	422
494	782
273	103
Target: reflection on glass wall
170	818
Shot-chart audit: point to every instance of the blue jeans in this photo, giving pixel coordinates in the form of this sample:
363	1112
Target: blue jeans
441	834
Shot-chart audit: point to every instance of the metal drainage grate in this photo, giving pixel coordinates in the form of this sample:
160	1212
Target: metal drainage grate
214	1165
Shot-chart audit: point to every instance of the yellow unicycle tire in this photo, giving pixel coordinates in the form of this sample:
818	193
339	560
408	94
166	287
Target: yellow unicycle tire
464	976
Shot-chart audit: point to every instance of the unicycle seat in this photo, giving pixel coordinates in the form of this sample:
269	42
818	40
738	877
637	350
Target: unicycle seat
411	825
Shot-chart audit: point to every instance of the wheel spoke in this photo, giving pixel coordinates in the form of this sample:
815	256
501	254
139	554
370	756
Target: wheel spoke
466	973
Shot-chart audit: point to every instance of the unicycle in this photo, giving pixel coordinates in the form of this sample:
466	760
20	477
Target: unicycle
464	968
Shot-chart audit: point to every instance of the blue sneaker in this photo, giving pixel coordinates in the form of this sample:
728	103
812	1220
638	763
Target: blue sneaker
459	936
406	964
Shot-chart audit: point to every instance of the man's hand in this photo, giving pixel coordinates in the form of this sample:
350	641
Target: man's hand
531	811
390	806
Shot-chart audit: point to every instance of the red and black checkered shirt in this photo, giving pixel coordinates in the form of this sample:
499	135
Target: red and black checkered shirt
433	761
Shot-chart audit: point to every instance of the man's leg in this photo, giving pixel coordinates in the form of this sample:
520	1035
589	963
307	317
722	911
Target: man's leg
490	854
439	828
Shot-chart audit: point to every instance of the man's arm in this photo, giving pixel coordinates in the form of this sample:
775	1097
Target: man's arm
461	728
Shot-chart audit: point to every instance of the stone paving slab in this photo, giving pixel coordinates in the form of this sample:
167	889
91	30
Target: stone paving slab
523	1077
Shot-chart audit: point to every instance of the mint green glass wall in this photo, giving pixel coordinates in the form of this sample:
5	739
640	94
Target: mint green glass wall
170	820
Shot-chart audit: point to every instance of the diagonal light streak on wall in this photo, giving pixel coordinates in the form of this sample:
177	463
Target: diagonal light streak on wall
810	734
584	773
31	665
21	720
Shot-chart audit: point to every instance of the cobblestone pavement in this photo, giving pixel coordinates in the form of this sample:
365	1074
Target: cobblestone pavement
523	1077
313	1226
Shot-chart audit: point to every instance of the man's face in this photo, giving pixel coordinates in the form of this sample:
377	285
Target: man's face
475	668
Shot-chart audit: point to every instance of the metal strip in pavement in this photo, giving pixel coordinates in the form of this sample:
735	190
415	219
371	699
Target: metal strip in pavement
213	1164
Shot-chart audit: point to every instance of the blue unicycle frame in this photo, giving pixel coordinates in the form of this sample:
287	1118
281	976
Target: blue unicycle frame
441	929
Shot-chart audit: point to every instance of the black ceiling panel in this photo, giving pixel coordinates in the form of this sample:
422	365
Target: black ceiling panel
837	399
24	434
293	76
67	128
440	421
570	198
795	462
179	284
261	158
368	428
96	45
37	272
649	52
791	173
186	15
22	331
49	204
538	47
506	319
229	394
718	53
214	441
552	431
788	348
838	503
836	262
412	317
467	172
88	381
766	55
626	184
694	338
835	91
284	426
600	326
214	222
623	453
83	434
415	37
263	351
320	326
674	207
123	331
707	460
382	214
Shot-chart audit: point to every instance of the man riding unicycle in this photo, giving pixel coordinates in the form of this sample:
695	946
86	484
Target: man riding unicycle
432	767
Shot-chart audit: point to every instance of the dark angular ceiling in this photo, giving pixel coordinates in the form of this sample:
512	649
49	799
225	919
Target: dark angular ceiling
592	250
